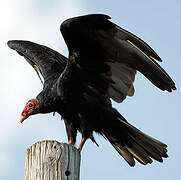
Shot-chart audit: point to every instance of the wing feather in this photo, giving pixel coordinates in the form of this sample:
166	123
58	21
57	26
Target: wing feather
45	61
123	34
99	42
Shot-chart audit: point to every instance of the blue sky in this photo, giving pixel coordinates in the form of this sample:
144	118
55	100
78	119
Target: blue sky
155	112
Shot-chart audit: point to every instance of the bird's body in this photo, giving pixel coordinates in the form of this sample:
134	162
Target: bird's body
102	64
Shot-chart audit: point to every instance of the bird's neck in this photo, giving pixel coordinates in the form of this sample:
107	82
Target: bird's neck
48	102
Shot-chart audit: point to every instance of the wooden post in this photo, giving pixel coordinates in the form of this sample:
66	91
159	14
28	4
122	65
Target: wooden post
51	160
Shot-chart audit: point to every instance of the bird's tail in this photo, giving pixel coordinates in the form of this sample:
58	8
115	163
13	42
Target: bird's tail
132	144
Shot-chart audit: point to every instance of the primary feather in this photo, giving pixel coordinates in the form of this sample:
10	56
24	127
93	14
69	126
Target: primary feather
97	40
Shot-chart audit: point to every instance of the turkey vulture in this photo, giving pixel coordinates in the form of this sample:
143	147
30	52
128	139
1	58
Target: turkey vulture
102	64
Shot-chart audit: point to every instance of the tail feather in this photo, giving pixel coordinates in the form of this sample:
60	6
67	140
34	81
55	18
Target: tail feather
152	145
124	152
149	147
139	153
132	144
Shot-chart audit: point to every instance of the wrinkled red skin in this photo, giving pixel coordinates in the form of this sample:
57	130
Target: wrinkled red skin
31	108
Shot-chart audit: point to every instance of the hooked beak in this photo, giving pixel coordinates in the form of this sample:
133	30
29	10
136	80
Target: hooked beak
22	118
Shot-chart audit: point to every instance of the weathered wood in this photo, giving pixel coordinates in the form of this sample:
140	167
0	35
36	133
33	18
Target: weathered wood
51	160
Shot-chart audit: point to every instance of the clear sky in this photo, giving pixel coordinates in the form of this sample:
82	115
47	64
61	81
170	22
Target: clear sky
155	112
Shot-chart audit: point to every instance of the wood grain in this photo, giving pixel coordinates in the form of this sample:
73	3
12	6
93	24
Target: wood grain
51	160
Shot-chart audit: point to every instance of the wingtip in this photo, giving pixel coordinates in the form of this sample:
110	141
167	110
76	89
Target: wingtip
10	43
156	57
171	88
13	44
174	88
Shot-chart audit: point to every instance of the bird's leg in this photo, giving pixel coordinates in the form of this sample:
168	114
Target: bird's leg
71	132
82	142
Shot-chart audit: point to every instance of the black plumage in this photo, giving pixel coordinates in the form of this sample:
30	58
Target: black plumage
102	64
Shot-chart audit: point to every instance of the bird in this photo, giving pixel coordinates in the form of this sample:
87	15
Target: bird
101	67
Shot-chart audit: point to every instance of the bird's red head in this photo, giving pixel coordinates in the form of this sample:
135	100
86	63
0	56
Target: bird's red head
32	107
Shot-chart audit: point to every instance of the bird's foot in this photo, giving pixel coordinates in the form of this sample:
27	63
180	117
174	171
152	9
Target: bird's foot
71	142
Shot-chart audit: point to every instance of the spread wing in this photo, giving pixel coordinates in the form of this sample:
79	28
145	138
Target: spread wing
111	56
44	60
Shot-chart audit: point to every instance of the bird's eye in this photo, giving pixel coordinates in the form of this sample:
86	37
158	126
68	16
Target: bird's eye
31	105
